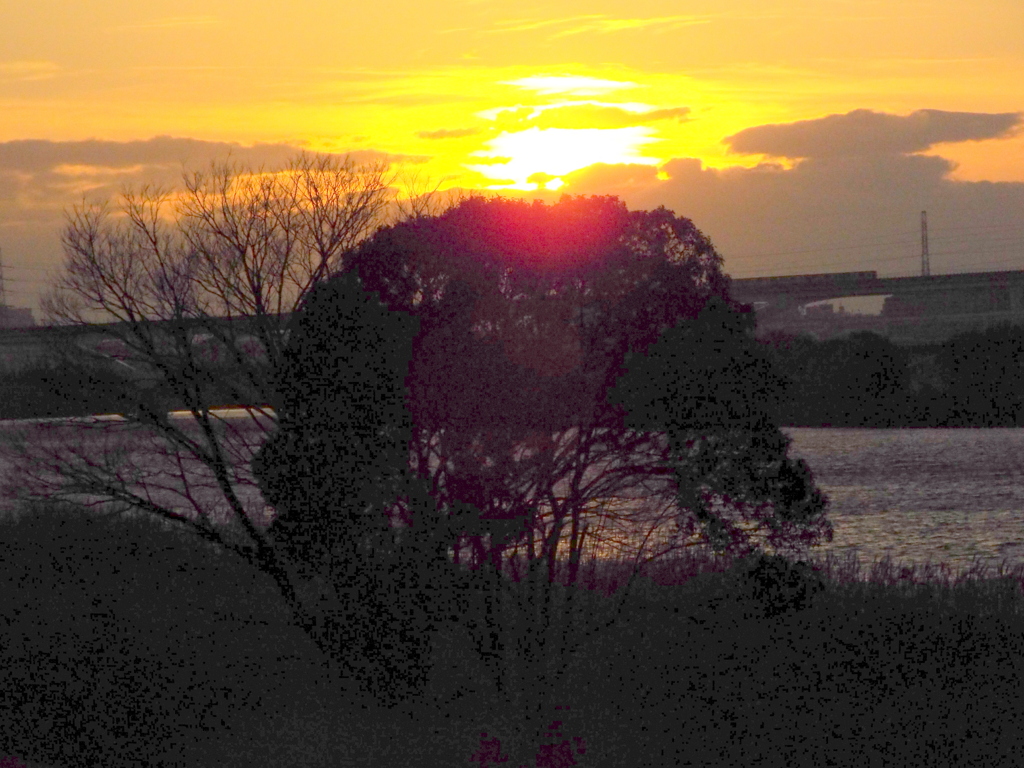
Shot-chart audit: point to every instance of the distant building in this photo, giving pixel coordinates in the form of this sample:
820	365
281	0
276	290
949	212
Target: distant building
15	317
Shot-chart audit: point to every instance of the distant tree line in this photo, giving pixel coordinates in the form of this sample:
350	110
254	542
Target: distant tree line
61	388
864	380
54	390
860	380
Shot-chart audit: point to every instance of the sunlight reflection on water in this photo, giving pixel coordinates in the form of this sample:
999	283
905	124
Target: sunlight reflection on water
920	495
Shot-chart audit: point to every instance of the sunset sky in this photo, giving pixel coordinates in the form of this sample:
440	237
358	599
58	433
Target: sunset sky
800	136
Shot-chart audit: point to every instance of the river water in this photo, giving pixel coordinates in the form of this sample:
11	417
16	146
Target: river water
914	495
919	495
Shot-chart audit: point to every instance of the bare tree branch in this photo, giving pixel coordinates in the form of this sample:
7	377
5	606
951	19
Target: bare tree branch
192	292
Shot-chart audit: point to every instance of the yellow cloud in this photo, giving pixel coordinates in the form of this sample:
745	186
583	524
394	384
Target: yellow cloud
585	115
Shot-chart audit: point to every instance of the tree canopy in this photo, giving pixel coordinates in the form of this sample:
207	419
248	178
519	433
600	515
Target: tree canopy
579	380
525	305
529	314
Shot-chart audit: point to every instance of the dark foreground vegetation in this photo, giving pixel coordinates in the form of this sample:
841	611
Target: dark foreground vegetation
126	643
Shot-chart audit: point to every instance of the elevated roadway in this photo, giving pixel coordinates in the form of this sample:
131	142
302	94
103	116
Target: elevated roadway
917	309
992	290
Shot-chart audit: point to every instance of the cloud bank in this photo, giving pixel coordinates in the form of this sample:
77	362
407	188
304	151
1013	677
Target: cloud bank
850	200
40	180
584	116
830	214
863	132
163	151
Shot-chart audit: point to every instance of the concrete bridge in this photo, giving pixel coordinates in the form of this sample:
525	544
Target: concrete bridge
917	310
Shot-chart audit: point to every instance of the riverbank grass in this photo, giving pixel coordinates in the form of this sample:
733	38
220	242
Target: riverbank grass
125	645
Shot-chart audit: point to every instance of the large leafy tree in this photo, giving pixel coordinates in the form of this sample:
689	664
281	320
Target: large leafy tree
531	315
714	393
580	384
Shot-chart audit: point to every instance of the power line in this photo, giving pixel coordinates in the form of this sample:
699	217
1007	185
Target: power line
825	249
981	226
1007	244
986	240
934	234
22	266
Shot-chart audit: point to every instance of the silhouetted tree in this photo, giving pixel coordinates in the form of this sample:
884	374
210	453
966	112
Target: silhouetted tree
714	393
333	470
790	355
527	313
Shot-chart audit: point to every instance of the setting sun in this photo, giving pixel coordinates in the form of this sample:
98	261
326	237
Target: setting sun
795	138
541	155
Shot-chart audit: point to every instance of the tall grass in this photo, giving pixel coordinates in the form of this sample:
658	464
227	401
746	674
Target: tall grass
978	584
133	642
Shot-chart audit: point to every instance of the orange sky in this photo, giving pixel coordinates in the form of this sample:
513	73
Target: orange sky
502	95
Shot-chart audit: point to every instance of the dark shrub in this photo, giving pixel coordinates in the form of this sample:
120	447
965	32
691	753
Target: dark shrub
129	642
777	584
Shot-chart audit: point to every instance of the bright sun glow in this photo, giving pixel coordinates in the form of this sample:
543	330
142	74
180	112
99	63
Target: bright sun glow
575	85
546	154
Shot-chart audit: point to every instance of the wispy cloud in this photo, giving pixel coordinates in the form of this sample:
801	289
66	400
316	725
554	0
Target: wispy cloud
899	63
449	133
27	70
604	25
585	115
172	22
527	25
599	23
